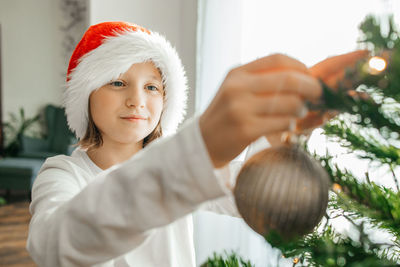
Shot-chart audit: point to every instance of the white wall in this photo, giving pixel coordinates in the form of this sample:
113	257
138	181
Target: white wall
33	60
31	55
175	19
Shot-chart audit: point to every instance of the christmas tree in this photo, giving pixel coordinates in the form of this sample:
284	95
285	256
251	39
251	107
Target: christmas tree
368	99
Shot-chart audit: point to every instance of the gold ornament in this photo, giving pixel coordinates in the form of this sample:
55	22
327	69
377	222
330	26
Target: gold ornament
282	189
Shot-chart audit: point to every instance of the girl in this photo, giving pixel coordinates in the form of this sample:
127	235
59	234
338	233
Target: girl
125	88
124	197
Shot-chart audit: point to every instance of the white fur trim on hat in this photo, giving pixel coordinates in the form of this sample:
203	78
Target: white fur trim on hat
113	58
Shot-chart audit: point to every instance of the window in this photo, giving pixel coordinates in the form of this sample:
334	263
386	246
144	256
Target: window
233	32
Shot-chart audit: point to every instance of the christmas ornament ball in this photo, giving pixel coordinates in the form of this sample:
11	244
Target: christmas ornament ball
282	189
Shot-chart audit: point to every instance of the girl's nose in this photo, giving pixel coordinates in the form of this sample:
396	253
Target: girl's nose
135	98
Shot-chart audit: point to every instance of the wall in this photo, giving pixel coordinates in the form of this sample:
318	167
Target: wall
31	61
175	19
34	60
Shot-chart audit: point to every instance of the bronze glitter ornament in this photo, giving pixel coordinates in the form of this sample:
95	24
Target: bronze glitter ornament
282	189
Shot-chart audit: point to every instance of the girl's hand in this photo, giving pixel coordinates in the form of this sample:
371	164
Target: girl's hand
263	97
330	71
333	69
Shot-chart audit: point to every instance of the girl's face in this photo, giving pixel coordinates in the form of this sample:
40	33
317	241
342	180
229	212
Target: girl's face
127	109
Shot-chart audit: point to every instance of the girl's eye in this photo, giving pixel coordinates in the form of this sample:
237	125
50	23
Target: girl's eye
152	87
117	83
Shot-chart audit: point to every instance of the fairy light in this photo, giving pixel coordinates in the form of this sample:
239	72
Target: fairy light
376	65
337	188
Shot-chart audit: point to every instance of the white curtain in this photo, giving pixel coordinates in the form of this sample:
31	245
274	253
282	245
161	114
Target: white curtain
219	49
219	38
233	32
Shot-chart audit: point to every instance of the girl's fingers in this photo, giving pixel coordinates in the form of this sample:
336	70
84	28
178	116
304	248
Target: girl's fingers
272	124
332	81
288	82
278	104
275	138
333	65
312	120
273	63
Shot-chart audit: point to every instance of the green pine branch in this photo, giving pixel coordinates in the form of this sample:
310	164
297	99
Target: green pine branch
331	249
231	259
389	44
379	204
370	113
354	140
371	33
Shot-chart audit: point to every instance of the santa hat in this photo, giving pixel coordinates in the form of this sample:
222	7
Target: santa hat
109	49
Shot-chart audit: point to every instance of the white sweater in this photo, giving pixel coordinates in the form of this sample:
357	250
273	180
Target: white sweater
137	213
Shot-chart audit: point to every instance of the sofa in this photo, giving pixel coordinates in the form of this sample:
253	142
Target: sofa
18	173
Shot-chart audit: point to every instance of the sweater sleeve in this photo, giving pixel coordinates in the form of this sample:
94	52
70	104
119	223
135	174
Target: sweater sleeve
122	206
227	176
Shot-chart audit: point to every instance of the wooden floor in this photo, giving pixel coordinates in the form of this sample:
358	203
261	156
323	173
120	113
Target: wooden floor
14	220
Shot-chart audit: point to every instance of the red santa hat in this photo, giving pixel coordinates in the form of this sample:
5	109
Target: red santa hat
109	49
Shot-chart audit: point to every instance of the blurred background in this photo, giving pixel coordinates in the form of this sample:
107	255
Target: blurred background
211	36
